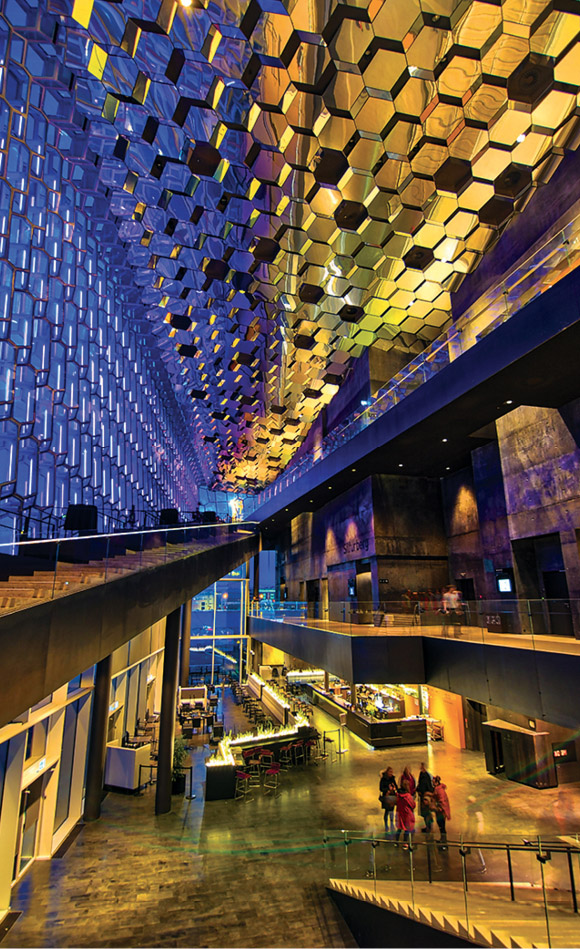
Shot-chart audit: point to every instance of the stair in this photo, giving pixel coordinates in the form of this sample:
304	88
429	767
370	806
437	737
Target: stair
492	920
21	591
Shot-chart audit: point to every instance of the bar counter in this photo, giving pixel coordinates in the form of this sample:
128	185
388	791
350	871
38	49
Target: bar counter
380	733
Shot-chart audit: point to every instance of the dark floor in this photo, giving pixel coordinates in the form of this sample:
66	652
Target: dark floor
239	874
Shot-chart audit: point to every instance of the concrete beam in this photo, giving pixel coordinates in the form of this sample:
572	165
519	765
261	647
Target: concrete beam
48	644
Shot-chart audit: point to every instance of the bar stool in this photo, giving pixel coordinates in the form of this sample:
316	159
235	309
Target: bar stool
243	787
311	747
298	752
266	759
286	759
271	779
331	752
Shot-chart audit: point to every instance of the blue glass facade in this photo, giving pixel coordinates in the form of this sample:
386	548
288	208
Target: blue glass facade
87	413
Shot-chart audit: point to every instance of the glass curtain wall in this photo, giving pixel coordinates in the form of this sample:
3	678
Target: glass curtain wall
218	631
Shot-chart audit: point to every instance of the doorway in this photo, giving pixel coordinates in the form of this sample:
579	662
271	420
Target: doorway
541	580
556	589
497	756
313	598
474	713
28	826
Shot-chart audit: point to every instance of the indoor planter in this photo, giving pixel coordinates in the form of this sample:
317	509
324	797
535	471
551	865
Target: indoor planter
180	753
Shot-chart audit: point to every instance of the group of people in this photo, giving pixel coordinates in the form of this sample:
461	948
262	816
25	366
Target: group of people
399	801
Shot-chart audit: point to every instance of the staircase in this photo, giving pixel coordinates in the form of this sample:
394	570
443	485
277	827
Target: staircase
492	919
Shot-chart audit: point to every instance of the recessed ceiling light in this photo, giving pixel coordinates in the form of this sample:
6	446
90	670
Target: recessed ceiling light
353	469
509	402
448	468
400	465
443	439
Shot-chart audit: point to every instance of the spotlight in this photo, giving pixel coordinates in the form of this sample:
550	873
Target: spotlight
186	3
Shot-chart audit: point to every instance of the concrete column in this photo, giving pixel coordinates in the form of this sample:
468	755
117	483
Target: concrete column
168	710
571	558
256	591
185	644
97	749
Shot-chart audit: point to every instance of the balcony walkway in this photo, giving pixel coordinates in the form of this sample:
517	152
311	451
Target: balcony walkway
474	634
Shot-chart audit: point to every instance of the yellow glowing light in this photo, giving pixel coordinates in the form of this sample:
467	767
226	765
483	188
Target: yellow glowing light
186	3
97	61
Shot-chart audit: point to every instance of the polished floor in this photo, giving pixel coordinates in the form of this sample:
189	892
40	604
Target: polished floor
244	874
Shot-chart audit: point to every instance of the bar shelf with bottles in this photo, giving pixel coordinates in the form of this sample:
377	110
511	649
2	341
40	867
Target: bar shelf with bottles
382	715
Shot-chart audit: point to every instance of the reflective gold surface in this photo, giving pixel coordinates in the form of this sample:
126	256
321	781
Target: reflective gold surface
368	155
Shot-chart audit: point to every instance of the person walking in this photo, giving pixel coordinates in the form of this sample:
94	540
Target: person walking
407	776
443	812
425	792
452	607
405	813
475	829
388	798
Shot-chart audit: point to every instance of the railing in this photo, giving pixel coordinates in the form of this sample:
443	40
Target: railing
531	621
485	881
49	525
40	570
527	280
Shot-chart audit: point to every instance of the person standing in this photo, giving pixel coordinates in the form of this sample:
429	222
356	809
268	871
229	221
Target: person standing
407	776
388	798
425	791
405	813
443	811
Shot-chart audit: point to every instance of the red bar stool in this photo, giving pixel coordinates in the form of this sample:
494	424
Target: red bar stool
266	759
312	750
243	786
271	779
298	752
286	758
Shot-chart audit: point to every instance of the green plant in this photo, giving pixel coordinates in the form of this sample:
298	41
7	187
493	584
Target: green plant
180	754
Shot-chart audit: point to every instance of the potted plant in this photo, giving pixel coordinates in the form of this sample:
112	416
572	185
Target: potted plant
180	754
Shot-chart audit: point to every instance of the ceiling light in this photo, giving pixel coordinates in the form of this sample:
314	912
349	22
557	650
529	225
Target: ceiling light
186	3
521	138
443	439
400	465
509	402
448	468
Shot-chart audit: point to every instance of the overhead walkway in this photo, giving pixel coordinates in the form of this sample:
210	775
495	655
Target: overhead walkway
470	660
67	603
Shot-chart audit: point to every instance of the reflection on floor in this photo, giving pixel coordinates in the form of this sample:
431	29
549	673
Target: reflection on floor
231	873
